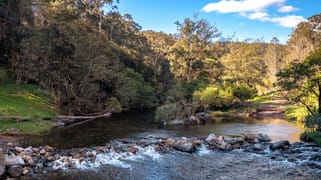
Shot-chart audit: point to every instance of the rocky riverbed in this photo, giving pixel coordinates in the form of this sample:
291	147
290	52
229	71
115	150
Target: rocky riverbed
211	157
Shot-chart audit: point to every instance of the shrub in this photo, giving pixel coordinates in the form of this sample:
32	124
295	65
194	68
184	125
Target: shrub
311	136
313	122
243	92
184	90
214	96
113	105
167	112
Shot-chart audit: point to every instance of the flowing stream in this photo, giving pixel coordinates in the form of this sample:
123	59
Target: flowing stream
138	124
301	161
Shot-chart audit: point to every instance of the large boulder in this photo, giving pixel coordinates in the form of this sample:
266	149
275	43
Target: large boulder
280	145
184	145
15	170
13	160
263	137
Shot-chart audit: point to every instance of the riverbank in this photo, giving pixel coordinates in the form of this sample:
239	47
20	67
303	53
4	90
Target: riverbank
22	108
243	157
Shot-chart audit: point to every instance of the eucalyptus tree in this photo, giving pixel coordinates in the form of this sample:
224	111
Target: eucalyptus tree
302	80
244	63
274	58
192	48
305	39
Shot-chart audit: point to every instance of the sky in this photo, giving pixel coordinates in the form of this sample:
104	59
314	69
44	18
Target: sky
258	19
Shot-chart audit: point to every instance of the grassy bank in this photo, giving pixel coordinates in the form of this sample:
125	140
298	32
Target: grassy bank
297	113
25	101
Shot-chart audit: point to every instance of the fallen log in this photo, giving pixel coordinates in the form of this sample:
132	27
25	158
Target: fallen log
68	120
16	118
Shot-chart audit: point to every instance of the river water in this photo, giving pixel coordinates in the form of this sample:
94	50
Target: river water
138	124
301	161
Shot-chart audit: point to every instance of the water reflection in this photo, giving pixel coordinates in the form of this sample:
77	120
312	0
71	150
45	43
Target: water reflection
100	131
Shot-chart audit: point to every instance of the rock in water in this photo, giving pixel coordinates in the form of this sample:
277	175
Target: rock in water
19	149
263	137
176	122
280	145
2	170
13	160
210	137
184	146
249	137
193	120
258	147
15	170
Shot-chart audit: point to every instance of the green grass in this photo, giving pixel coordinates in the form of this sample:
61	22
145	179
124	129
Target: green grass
251	105
33	127
295	113
25	101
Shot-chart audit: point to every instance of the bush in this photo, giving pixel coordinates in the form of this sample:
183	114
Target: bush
243	92
3	76
167	112
313	122
174	111
311	136
184	91
113	105
214	96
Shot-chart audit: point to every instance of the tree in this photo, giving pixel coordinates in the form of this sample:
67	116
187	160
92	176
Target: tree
244	64
302	80
305	39
273	58
192	48
15	20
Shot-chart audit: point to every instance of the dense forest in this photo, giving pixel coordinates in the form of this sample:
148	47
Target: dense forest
94	60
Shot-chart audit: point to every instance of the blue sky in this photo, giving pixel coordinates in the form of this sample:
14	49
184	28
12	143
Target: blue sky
246	18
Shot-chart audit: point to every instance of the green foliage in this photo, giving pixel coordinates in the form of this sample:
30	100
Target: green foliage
184	90
32	127
167	112
132	91
244	64
173	111
113	105
313	122
25	101
222	96
302	80
3	76
215	96
311	136
243	92
295	113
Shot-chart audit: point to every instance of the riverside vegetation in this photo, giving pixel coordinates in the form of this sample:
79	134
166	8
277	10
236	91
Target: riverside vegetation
84	58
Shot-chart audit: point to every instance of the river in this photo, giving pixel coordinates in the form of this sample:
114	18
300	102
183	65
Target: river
138	124
301	161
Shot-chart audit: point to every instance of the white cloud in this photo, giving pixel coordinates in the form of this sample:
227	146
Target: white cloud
258	15
285	9
287	21
238	6
257	10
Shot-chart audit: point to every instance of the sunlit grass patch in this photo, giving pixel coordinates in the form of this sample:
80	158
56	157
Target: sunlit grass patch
25	101
32	127
295	113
